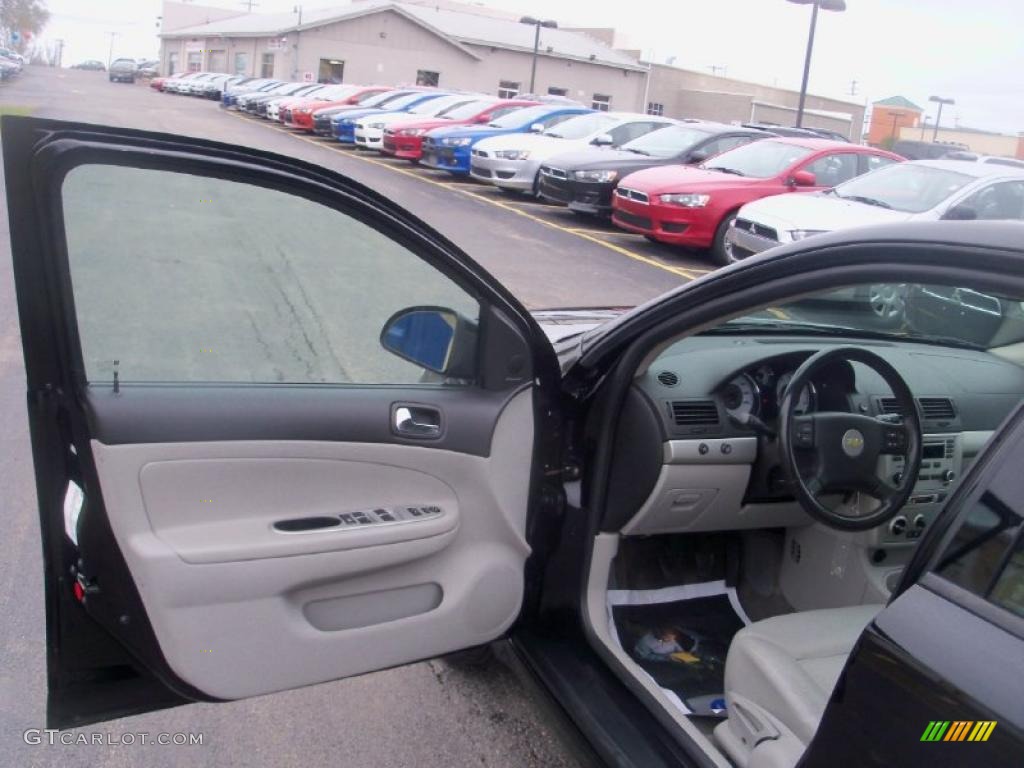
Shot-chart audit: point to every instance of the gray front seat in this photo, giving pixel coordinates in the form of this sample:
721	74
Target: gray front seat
779	676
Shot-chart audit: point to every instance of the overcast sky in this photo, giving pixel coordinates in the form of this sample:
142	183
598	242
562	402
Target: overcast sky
969	51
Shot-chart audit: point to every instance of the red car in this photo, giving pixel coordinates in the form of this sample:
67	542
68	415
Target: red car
301	115
694	207
405	139
158	82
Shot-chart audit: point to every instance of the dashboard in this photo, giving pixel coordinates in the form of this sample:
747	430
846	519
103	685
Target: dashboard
695	450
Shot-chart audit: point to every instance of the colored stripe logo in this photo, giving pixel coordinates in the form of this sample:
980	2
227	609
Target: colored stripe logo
958	730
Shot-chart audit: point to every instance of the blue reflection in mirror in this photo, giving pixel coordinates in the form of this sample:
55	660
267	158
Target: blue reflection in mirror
422	336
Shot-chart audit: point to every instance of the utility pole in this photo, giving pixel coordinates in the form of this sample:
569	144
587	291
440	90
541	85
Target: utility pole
938	118
853	87
110	54
295	53
249	5
60	52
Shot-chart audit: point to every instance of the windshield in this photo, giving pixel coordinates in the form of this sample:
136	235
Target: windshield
374	98
667	142
433	106
404	100
759	159
581	127
935	314
907	187
466	111
522	118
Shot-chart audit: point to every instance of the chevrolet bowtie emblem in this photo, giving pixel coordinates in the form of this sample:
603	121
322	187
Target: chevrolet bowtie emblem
853	443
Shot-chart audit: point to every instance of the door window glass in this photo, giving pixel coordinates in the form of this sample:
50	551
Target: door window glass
986	554
428	78
232	282
1004	200
242	63
833	169
267	65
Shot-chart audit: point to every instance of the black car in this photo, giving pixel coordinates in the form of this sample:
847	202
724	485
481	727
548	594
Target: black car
123	71
738	525
585	180
802	132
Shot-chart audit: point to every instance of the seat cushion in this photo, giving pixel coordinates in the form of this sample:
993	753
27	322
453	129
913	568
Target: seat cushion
788	665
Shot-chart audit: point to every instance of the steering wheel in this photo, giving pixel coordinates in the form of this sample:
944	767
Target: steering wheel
843	448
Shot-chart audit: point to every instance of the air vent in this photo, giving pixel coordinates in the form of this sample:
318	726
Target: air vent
668	378
937	408
695	413
889	405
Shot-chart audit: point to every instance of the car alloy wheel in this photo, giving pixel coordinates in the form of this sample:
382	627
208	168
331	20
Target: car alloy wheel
721	249
888	303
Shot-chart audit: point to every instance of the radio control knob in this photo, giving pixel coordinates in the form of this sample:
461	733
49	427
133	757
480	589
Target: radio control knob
898	526
948	476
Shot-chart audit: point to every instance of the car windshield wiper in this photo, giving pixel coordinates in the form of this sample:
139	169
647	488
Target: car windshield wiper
724	169
553	135
866	200
637	151
753	325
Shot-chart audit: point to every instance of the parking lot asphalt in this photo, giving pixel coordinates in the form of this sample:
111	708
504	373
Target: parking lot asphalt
427	714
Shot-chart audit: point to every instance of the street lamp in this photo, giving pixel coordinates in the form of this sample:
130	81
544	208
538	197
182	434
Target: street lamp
938	118
110	54
537	23
827	5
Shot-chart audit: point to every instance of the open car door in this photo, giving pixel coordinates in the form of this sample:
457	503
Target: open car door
935	678
255	469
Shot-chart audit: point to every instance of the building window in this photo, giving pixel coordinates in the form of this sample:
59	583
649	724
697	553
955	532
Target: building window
508	89
242	64
428	78
654	108
602	102
194	63
267	65
331	71
553	91
172	63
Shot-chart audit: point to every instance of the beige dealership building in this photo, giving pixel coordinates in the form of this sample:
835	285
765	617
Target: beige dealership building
469	47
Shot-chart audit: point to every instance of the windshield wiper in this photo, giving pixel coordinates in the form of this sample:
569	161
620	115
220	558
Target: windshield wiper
636	151
723	169
553	135
866	200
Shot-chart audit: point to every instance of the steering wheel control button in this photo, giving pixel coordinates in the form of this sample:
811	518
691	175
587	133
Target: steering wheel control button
853	443
895	439
898	526
804	434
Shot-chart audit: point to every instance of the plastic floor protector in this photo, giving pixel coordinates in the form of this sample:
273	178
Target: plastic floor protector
680	636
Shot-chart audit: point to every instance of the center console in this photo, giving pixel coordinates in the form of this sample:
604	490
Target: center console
941	469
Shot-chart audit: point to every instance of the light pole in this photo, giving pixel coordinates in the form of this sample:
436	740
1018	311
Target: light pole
827	5
295	53
537	23
110	54
924	125
938	118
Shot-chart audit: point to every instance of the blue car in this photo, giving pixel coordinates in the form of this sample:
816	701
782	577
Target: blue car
229	96
448	149
344	125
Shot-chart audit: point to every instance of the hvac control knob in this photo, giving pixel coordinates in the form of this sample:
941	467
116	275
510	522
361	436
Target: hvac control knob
948	476
920	521
898	526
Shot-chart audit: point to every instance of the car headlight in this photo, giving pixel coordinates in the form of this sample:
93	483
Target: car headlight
457	142
513	154
599	177
301	111
376	125
685	199
412	132
800	234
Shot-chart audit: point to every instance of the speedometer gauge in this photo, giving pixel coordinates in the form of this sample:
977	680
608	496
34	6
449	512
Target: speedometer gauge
807	397
741	396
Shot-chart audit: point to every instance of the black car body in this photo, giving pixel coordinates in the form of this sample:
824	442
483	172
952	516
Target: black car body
123	71
586	179
194	526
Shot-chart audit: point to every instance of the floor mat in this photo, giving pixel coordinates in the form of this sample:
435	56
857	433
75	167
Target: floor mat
680	637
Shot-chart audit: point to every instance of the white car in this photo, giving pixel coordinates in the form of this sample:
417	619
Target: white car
512	161
273	111
370	129
926	190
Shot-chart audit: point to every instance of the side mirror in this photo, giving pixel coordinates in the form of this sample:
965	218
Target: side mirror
438	339
803	179
961	212
482	119
537	128
697	156
604	140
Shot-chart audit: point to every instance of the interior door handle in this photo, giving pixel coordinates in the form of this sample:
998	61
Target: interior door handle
417	421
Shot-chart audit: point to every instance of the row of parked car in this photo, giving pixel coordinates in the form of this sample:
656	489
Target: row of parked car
11	63
702	185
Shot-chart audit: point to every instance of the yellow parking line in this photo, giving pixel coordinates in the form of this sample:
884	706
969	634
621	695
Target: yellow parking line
689	274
